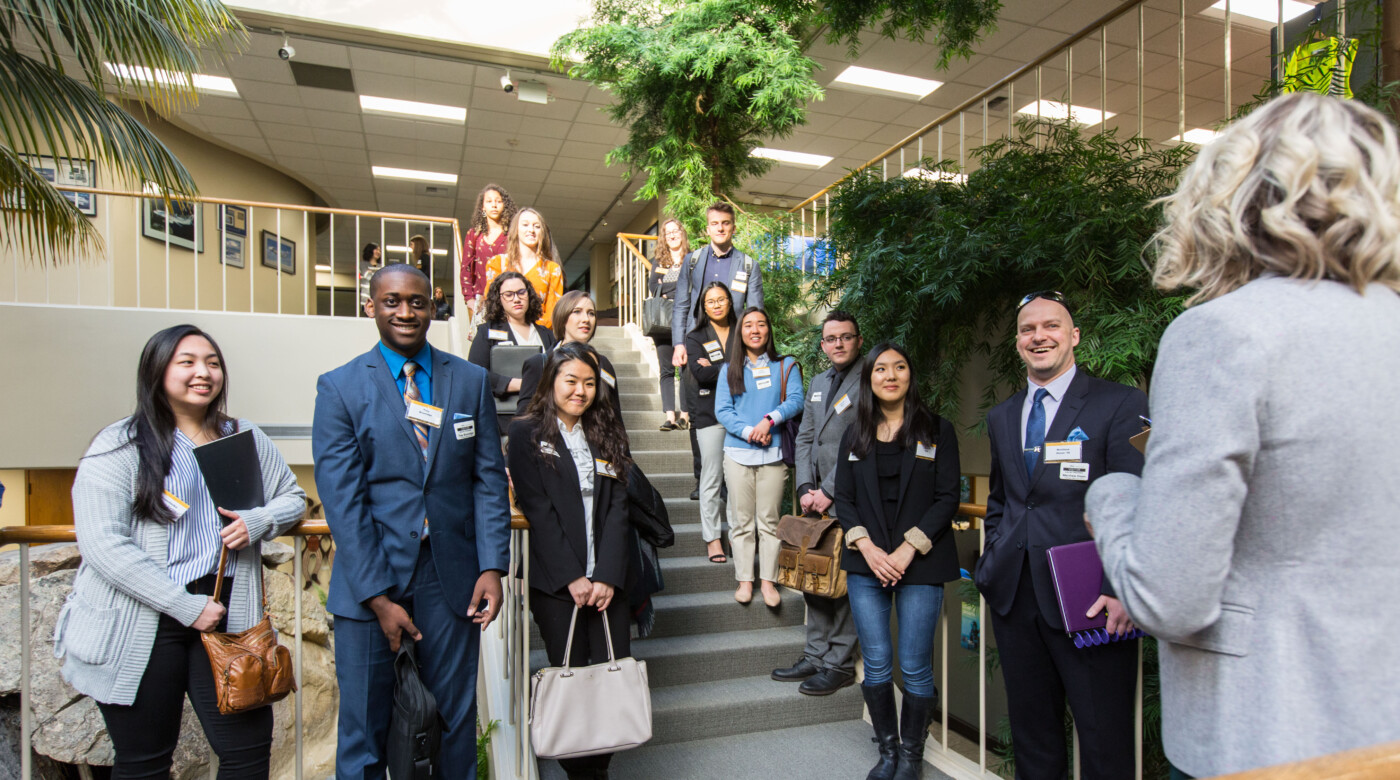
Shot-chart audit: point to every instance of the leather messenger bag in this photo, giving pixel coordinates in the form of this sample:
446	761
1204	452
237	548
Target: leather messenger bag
809	558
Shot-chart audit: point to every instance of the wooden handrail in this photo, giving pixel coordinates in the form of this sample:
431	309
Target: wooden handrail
626	238
1378	762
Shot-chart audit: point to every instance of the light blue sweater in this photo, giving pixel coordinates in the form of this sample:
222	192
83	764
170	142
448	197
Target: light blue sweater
739	415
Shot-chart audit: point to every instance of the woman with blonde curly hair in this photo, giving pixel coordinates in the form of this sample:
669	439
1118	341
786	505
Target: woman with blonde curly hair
1259	543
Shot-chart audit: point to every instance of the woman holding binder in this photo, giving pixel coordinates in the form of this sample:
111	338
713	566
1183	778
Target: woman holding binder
568	458
512	306
707	343
575	320
150	538
897	490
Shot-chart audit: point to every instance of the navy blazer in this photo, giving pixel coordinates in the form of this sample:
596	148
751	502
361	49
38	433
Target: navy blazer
377	490
1027	515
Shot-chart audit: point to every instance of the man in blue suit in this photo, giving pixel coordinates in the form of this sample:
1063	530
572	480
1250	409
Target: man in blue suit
410	472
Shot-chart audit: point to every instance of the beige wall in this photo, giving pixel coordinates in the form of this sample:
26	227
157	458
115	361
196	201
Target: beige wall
601	260
12	507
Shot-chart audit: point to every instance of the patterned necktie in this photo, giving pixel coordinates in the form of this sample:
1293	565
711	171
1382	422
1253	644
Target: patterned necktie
1035	431
410	393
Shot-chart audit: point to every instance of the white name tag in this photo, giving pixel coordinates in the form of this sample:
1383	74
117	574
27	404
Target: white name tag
497	335
175	505
424	413
605	468
704	392
465	429
763	371
817	397
612	381
711	346
1078	472
739	287
741	277
1063	451
843	403
548	449
926	452
763	384
852	456
716	356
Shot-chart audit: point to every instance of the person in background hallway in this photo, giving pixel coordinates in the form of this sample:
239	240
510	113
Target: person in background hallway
575	320
370	256
708	342
485	239
150	539
1259	544
903	530
510	311
1037	502
568	458
828	660
410	471
751	404
442	305
718	261
666	266
418	254
529	250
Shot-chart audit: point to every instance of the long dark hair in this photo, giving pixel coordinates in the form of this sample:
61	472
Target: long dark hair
601	426
152	427
479	222
920	425
704	318
495	312
736	353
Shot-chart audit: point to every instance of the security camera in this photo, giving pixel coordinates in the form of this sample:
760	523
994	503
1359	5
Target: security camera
286	51
507	86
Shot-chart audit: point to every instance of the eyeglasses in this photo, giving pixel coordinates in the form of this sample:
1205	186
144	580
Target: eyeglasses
510	295
1049	295
844	338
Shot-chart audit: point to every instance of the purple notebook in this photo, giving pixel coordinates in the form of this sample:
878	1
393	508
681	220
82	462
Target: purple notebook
1078	576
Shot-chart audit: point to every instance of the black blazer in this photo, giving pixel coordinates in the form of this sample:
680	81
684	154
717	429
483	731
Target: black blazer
1028	515
700	388
929	493
534	369
480	353
547	493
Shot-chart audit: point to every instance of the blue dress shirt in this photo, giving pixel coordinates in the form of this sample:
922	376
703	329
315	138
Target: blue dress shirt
423	378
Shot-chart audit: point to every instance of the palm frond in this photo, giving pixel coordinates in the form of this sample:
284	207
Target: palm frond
35	218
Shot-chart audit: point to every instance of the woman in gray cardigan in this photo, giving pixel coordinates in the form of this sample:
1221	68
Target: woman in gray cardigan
1259	544
150	539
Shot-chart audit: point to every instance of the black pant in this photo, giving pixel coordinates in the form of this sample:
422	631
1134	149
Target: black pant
552	615
146	732
1043	668
664	351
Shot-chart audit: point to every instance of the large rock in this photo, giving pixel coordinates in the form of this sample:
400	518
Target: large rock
43	559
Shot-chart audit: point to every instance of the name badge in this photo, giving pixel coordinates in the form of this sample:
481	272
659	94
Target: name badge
497	335
716	356
817	397
711	346
763	384
548	449
603	467
763	371
739	287
175	505
843	403
741	277
852	457
1063	451
424	413
465	429
1078	472
609	378
704	391
926	452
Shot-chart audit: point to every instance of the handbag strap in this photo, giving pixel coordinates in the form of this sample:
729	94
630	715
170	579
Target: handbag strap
262	577
569	645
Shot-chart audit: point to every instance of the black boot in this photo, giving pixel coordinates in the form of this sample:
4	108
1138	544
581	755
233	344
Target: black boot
913	730
880	700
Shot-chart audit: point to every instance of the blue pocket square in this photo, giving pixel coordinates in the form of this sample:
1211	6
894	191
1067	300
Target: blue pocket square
460	416
1077	434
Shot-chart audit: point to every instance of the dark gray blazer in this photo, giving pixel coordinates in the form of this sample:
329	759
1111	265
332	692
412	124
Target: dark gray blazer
819	436
1260	543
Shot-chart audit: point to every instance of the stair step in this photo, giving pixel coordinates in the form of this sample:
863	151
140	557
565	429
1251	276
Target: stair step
719	708
650	437
647	421
641	402
716	612
636	370
621	357
637	384
688	540
696	574
694	659
666	462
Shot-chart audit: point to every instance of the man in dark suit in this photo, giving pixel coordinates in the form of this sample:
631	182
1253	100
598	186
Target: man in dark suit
720	261
410	471
1048	443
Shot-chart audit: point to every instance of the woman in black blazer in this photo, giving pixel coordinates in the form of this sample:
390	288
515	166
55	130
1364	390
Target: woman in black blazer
576	320
897	490
512	306
568	459
706	345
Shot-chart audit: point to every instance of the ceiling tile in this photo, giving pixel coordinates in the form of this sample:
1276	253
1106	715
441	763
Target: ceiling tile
340	138
276	131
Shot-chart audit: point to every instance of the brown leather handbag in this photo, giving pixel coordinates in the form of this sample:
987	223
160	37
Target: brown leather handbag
809	555
250	668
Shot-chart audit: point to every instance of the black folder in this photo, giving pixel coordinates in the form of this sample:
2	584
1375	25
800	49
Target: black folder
231	471
509	360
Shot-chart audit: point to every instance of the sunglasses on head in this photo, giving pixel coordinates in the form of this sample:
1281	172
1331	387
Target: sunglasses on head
1049	295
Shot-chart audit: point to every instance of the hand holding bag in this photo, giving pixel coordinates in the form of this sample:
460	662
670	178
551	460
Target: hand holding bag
589	710
250	668
415	727
809	555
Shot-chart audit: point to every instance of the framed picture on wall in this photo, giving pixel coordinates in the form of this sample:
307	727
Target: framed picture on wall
278	252
64	170
173	222
234	232
234	247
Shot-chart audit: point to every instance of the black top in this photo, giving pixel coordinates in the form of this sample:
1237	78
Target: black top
702	380
534	369
480	352
889	460
657	287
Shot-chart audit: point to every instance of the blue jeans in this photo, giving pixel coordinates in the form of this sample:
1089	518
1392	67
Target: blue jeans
920	607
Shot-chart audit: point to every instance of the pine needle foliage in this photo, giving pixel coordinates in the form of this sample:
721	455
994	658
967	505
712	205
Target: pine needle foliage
955	24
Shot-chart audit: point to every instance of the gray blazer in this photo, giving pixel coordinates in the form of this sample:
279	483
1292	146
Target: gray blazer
1260	542
108	623
819	436
690	282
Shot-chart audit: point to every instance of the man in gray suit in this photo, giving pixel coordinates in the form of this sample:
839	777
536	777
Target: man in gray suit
828	661
717	261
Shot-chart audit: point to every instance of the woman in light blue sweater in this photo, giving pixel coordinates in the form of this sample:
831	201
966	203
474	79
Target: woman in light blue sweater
150	537
758	392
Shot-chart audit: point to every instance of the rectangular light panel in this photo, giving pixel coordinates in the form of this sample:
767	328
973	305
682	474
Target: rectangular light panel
799	159
385	172
203	82
884	81
1263	10
1053	109
410	108
406	249
1198	136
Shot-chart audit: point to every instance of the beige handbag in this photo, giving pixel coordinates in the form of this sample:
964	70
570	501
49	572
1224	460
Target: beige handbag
589	710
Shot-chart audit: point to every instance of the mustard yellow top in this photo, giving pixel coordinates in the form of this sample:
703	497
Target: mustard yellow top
546	277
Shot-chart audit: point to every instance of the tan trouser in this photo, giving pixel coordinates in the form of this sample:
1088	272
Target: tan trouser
755	501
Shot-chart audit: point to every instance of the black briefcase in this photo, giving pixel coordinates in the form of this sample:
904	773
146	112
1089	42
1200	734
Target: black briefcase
415	729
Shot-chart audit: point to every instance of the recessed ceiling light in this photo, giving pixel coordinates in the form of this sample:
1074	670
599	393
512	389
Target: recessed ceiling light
800	159
1263	10
202	82
406	249
1053	109
385	172
1198	136
323	268
927	175
884	81
431	111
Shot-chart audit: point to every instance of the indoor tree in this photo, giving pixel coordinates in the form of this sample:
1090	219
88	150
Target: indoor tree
56	96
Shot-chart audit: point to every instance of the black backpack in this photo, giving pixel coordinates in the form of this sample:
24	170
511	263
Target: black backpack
415	729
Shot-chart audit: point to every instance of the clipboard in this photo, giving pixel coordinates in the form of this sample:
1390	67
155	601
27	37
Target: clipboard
231	471
1139	441
509	360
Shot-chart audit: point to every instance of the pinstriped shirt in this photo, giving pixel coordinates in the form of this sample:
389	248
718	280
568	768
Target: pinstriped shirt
194	538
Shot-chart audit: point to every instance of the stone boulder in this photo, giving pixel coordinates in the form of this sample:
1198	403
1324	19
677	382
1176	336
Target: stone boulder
43	559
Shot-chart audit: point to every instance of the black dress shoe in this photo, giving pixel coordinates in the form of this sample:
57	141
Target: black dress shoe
826	682
797	672
695	494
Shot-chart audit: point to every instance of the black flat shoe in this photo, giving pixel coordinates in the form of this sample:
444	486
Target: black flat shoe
695	494
799	671
669	426
826	682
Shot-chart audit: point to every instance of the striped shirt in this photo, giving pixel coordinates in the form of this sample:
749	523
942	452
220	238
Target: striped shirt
194	537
